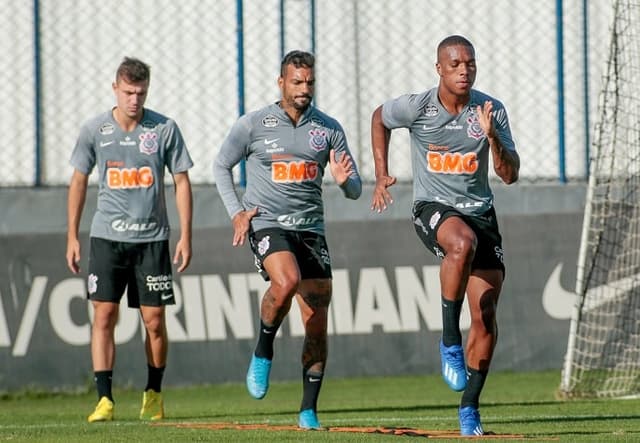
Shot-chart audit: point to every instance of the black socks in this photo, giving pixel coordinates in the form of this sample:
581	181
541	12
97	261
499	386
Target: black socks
475	383
154	378
103	383
451	322
311	383
264	348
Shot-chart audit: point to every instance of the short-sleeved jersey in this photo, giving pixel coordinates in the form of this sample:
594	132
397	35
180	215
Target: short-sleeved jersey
131	203
449	153
285	166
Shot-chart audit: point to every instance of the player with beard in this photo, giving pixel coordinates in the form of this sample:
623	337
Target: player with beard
286	146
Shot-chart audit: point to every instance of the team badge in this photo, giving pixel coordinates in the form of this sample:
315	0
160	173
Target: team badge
148	124
318	122
148	143
270	121
264	245
473	127
106	129
318	140
92	283
431	110
434	220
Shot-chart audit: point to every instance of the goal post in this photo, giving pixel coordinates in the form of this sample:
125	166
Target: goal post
603	351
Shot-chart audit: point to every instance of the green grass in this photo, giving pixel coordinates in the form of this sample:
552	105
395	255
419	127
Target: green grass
512	403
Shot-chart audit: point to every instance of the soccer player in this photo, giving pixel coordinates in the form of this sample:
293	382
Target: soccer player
287	146
454	130
129	239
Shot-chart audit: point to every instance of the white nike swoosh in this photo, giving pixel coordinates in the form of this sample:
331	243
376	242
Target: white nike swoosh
314	380
559	303
166	296
268	142
103	144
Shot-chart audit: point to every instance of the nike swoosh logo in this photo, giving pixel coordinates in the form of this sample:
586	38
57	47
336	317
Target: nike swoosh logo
166	296
559	303
266	332
314	380
268	142
103	144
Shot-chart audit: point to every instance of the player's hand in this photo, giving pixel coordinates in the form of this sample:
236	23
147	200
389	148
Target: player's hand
183	254
241	224
485	118
341	167
73	255
381	196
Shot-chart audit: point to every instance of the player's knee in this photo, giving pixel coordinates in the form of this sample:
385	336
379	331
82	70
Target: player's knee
105	319
284	287
463	248
155	326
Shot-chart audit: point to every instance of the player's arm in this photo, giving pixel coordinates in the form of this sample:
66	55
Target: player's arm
184	205
380	136
344	172
506	162
231	152
343	167
75	205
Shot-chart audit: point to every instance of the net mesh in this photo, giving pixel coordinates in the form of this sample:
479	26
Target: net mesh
603	356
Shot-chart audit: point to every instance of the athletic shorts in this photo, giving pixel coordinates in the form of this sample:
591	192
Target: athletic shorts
309	248
428	216
143	269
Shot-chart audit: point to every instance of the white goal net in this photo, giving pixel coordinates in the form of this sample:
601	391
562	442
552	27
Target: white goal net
603	353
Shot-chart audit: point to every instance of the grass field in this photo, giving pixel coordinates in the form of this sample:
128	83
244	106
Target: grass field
512	403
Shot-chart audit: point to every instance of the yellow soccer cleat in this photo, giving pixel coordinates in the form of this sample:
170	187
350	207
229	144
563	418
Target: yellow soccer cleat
152	406
103	411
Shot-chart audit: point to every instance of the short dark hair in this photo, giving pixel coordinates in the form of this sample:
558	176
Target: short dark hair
133	70
297	59
453	40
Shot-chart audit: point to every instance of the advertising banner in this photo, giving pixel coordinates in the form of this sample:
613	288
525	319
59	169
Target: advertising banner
385	315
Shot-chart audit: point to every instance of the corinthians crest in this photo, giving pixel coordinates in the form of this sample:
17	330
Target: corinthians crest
473	127
318	140
148	143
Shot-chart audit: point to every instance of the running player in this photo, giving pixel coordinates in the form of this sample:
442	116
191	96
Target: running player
129	238
454	129
287	146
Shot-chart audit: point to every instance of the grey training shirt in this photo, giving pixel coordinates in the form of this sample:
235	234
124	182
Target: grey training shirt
131	202
449	153
285	166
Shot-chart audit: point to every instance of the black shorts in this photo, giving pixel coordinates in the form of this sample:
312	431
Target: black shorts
309	248
144	269
428	216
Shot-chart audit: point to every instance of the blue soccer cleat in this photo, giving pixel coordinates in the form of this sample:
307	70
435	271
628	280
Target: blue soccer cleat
309	420
258	376
453	367
470	421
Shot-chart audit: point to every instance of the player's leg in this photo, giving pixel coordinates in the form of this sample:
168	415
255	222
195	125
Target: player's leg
279	266
156	350
105	285
459	242
313	298
445	233
103	351
151	291
483	290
